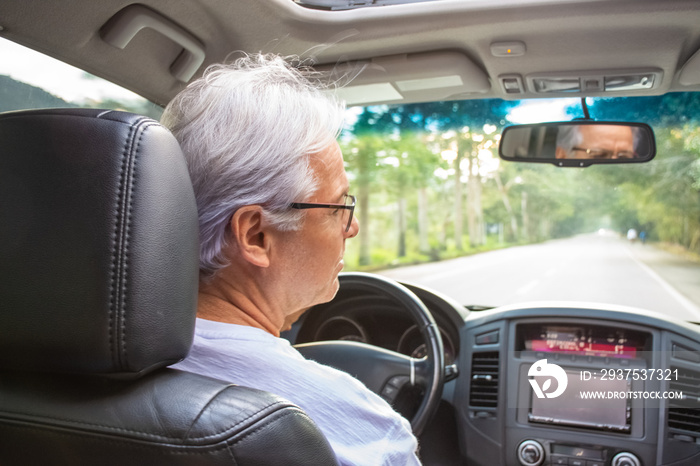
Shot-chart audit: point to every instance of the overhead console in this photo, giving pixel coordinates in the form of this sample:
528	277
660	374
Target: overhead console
578	83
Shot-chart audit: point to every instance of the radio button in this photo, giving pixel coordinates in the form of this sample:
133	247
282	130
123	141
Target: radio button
530	453
625	459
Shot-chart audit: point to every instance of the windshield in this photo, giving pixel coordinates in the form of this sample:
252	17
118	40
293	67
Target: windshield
437	207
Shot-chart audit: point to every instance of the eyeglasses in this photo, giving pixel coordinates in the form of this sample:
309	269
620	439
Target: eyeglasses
606	154
349	205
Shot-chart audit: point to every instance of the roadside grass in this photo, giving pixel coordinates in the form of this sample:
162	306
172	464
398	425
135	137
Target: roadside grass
382	259
679	250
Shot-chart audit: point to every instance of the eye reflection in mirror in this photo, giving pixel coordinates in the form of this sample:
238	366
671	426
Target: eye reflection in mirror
578	143
596	142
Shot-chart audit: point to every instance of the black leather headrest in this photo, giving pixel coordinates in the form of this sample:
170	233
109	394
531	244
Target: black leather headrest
98	243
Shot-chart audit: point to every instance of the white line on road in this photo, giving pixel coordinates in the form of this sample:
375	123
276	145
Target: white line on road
527	288
692	308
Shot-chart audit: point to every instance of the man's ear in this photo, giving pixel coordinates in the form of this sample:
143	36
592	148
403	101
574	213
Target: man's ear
249	232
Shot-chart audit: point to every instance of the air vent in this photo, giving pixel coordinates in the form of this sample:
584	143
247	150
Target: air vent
483	391
683	415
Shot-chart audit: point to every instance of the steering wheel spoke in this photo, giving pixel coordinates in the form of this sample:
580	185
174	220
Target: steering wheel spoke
373	365
393	387
383	371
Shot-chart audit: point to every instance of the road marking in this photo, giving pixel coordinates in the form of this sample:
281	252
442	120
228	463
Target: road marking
527	288
690	307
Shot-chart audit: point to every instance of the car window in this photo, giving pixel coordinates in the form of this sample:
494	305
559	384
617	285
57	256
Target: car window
29	79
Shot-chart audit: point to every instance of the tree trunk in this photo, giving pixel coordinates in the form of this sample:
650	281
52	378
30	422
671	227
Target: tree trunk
509	209
402	226
526	220
423	243
363	211
458	202
475	216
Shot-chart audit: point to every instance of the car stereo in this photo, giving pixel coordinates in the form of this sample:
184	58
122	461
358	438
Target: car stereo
572	378
571	410
580	340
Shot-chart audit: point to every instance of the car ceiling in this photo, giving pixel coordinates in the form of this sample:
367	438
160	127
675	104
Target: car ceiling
562	38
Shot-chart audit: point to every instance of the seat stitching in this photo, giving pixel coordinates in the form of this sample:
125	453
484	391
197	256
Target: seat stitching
76	423
116	279
233	426
127	181
177	449
267	422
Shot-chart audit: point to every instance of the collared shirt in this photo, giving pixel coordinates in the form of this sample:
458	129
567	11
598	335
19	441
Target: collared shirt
360	426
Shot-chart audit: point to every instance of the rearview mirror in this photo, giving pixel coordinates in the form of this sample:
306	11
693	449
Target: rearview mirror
578	143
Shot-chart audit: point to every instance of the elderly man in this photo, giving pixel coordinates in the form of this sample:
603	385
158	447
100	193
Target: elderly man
274	212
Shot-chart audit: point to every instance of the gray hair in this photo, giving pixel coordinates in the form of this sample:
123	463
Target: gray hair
568	137
247	130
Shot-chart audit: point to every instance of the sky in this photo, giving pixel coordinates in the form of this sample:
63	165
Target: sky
541	110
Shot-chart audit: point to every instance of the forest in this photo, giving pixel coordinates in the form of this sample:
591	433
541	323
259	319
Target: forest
429	183
17	95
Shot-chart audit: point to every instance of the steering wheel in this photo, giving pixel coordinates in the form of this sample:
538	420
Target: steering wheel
381	370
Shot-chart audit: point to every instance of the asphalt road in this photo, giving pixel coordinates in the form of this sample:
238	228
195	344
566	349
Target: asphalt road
590	268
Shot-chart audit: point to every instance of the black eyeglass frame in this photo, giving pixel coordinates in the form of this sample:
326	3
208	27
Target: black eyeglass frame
607	154
311	205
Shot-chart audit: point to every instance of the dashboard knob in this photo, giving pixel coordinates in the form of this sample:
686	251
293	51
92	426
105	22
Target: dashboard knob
530	453
625	459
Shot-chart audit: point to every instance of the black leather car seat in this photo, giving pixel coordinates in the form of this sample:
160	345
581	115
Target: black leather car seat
98	287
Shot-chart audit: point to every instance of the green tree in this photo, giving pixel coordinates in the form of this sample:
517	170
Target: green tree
663	196
410	169
16	95
362	151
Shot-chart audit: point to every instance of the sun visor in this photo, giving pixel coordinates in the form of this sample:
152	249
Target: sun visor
690	74
405	78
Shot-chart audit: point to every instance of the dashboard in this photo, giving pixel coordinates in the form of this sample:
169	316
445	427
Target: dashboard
382	322
363	328
543	384
580	385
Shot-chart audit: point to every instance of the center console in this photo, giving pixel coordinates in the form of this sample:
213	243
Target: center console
566	391
580	391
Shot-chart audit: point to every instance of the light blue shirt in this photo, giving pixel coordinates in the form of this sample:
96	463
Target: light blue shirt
361	427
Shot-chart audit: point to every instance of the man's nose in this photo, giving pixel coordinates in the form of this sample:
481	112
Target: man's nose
354	228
